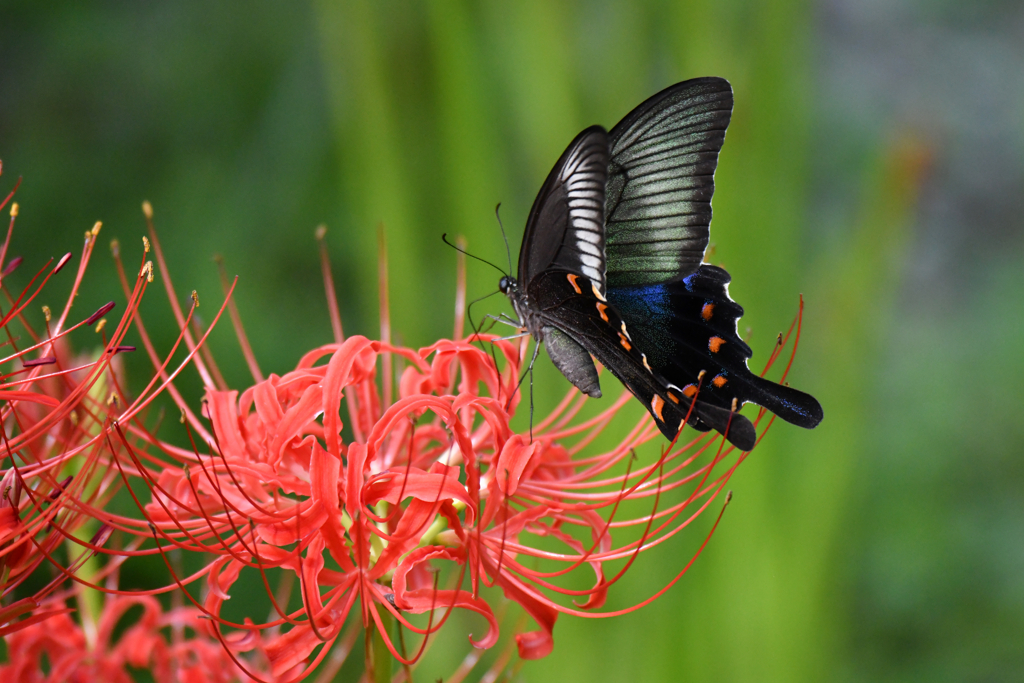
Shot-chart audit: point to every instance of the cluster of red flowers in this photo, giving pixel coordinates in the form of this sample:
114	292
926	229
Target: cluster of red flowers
356	512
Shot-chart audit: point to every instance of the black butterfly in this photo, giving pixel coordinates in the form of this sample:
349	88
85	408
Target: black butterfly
611	266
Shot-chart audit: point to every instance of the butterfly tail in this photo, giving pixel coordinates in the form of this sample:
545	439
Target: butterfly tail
792	405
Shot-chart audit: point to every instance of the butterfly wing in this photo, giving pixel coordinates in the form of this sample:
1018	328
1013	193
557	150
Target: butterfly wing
568	304
661	176
565	229
689	327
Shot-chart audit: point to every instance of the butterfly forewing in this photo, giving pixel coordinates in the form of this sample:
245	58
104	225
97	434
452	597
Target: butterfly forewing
660	181
566	225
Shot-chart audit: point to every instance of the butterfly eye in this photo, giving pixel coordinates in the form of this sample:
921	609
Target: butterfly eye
503	284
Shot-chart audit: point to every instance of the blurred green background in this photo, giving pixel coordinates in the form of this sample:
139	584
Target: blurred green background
875	163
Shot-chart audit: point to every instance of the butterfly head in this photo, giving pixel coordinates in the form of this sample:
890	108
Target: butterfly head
506	283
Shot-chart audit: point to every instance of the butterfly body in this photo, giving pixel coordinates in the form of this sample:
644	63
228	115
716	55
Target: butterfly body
611	267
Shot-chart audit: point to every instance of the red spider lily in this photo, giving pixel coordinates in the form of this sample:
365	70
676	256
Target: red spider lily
366	506
52	407
378	510
156	641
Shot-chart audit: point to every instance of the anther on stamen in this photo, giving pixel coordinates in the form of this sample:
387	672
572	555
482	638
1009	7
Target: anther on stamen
145	244
11	266
63	262
100	312
96	228
195	298
124	348
46	313
36	362
700	375
147	210
115	248
735	405
100	325
14	210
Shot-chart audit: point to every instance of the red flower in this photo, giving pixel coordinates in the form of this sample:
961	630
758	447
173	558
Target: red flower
375	508
169	645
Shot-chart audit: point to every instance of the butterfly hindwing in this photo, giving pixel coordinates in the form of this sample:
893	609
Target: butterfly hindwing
574	307
661	176
689	326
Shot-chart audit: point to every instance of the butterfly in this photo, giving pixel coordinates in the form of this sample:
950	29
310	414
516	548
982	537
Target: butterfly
611	267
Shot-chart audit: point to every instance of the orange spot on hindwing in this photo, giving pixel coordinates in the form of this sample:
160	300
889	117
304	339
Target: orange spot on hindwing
707	311
672	397
625	342
601	308
690	390
656	405
572	281
719	381
715	343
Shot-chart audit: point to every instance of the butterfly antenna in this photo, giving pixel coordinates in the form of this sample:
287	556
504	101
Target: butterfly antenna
508	252
444	238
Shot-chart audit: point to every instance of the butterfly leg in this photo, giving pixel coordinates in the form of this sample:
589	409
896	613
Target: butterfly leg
504	320
513	336
536	350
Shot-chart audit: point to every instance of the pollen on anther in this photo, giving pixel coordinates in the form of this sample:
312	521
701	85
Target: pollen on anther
597	292
707	311
571	277
719	381
145	244
656	405
715	343
601	308
735	404
690	390
700	375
